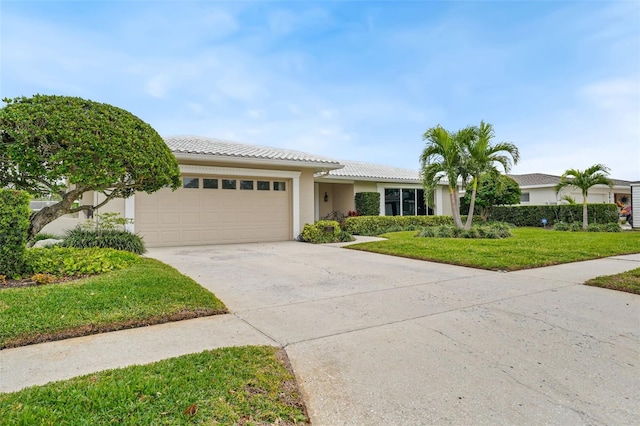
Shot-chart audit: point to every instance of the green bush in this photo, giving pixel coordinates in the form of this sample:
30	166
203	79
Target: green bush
376	225
80	237
575	226
612	227
65	261
368	203
561	226
569	213
595	227
14	226
490	231
323	232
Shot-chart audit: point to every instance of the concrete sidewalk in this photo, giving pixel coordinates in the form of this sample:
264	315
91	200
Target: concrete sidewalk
377	339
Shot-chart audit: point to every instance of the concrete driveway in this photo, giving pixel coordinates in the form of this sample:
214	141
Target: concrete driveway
375	339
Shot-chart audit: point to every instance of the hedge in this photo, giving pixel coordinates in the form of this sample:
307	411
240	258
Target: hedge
376	225
368	203
14	225
568	213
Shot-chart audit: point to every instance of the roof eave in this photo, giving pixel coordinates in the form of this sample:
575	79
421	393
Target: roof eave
306	164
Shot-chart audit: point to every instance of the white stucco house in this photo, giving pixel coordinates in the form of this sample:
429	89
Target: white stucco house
233	193
539	189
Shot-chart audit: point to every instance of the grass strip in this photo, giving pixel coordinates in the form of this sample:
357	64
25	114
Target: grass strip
627	281
241	385
148	292
527	248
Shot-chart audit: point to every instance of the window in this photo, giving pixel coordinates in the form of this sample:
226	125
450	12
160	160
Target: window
228	184
391	202
246	185
404	202
190	182
524	197
279	186
408	202
264	185
210	183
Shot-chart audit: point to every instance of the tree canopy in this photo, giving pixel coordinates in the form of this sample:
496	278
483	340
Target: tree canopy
463	157
493	189
67	146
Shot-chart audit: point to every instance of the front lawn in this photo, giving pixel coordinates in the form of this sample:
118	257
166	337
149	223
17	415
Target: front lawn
148	292
527	248
242	385
627	281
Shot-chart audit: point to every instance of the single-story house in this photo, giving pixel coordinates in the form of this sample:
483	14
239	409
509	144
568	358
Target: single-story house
539	189
234	193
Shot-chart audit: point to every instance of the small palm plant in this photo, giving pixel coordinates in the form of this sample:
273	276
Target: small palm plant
584	180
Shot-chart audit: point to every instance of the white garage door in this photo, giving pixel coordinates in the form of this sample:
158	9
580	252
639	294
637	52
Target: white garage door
216	210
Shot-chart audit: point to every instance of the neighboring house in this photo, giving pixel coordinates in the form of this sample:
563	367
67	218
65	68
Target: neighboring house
539	189
236	193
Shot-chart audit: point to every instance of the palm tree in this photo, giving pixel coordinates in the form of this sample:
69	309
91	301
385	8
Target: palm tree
584	180
442	157
481	157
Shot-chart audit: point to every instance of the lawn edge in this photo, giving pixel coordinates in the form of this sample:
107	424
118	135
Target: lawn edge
91	329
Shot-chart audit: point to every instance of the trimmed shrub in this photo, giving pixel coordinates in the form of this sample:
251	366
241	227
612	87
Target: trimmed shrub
65	261
368	203
491	231
114	239
323	232
376	225
14	226
569	213
575	226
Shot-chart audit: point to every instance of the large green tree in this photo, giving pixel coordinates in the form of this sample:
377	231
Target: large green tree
493	189
444	157
584	180
67	146
480	156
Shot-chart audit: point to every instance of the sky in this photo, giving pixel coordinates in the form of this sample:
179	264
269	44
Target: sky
350	80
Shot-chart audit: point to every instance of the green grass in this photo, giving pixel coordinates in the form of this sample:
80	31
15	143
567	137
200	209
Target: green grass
242	385
149	292
626	281
527	248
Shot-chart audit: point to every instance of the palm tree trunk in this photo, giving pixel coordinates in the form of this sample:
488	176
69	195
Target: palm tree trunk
472	204
455	208
584	212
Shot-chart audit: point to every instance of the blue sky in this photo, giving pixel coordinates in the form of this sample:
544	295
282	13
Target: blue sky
355	80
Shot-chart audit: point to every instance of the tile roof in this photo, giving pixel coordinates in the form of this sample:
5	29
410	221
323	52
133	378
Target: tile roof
366	171
223	148
541	179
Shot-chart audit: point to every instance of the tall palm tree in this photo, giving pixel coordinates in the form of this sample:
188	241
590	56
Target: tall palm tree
481	157
443	157
584	180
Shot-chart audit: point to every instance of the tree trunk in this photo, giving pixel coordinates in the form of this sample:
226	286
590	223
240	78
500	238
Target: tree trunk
472	204
40	219
455	208
584	213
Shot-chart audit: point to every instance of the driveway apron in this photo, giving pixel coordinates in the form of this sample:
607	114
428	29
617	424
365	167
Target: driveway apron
376	339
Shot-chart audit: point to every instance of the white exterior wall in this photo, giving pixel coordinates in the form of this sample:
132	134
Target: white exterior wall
635	204
547	195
